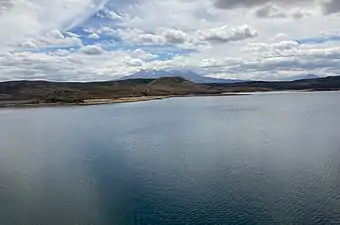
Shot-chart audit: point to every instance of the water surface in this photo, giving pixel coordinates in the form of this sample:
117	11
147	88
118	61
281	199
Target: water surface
259	159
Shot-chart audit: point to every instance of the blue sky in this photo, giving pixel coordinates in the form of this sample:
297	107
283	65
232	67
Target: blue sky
320	39
105	39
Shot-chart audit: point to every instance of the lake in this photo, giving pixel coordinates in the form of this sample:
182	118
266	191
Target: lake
267	158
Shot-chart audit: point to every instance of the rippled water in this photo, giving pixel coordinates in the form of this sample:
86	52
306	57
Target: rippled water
259	159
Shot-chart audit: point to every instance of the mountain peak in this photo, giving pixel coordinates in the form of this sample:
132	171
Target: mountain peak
186	74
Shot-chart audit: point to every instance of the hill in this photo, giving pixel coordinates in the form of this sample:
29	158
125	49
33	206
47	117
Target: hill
318	84
45	92
306	77
298	77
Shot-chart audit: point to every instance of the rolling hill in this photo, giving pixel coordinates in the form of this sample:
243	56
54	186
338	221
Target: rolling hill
45	92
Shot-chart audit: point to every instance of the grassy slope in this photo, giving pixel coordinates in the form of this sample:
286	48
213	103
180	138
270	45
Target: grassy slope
51	92
57	92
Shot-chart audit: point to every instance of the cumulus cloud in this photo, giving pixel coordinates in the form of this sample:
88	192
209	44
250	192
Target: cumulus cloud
28	45
274	11
92	50
63	65
148	38
31	18
77	66
175	36
216	35
279	36
270	11
135	62
141	54
273	49
329	6
225	34
272	61
161	36
52	38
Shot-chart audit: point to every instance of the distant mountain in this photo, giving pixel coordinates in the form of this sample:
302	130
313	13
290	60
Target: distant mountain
187	74
306	77
319	84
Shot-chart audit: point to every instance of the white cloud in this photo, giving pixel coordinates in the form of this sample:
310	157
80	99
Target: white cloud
161	36
135	62
28	45
31	18
279	37
175	36
218	35
230	4
273	11
92	50
276	48
139	53
107	65
53	38
225	34
111	14
94	36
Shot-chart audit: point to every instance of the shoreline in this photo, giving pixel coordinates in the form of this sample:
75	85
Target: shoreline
86	102
93	102
89	102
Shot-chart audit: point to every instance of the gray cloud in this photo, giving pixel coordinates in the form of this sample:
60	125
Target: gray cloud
230	4
4	4
274	11
332	7
270	11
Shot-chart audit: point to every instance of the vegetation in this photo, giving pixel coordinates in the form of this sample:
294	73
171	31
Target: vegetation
45	92
317	84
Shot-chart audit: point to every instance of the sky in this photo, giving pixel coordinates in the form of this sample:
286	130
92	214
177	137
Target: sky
92	40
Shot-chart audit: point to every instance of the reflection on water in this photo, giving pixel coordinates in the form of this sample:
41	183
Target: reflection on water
271	158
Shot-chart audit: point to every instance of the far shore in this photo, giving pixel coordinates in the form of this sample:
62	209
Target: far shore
121	100
86	102
47	93
89	102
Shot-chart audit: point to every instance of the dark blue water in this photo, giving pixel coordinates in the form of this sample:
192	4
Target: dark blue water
260	159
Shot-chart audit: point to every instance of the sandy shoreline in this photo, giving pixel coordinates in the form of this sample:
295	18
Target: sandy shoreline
89	102
121	100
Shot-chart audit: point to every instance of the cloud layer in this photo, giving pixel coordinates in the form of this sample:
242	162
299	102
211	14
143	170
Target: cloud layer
329	6
104	39
230	4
